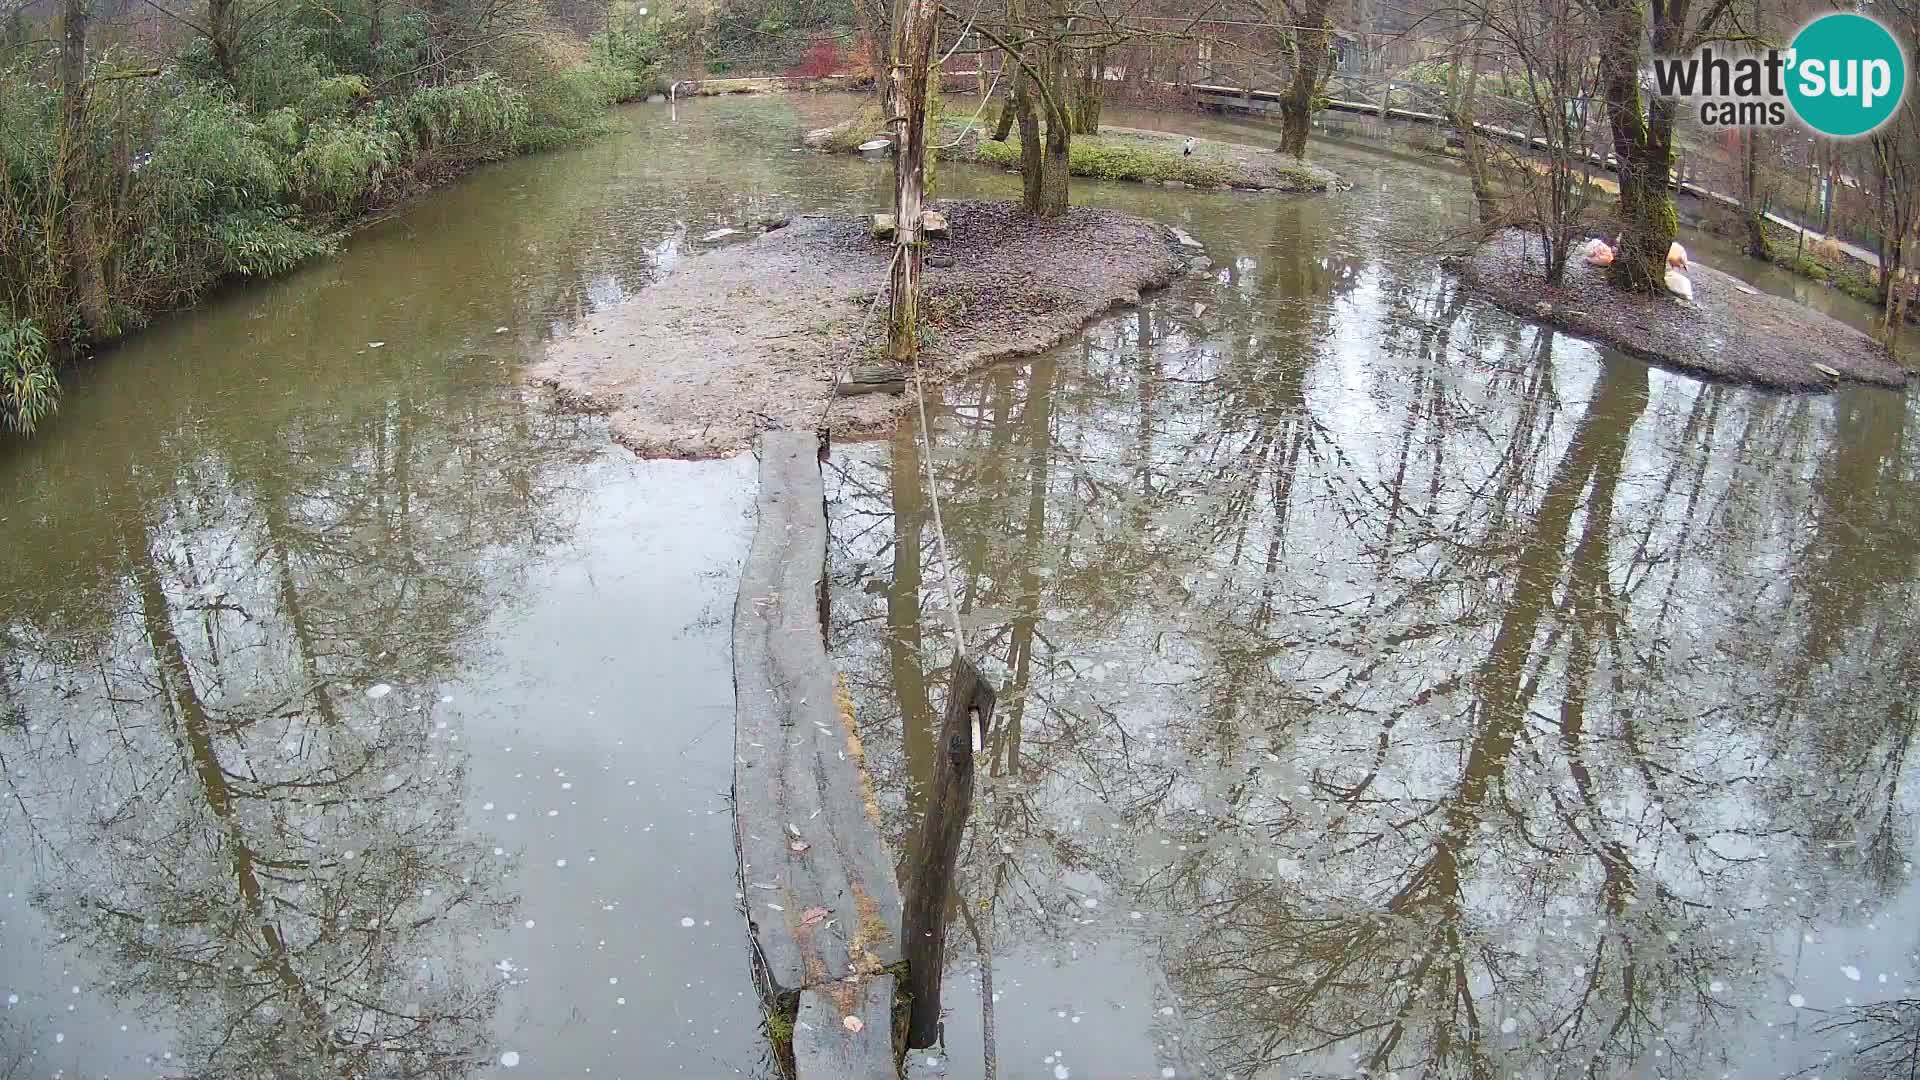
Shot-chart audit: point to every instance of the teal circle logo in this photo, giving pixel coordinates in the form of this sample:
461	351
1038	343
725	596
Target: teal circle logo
1847	75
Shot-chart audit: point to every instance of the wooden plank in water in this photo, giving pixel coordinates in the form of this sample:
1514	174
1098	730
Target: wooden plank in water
872	379
825	1047
823	907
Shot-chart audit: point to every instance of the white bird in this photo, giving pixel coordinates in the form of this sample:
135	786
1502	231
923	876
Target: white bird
1189	152
1678	284
1677	256
1597	252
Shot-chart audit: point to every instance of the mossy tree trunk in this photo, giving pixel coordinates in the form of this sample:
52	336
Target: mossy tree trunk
1089	92
1643	149
1026	112
1642	132
1310	66
1010	109
1032	153
1055	196
1056	69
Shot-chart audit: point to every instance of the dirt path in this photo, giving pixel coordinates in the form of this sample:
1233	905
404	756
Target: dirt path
751	337
1727	332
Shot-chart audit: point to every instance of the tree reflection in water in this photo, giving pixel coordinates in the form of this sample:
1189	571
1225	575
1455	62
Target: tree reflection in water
1471	705
227	761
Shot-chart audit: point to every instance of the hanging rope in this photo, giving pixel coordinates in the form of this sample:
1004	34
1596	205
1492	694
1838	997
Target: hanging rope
933	499
983	928
853	343
968	129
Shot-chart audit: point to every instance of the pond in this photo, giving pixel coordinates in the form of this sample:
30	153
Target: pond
1394	687
1383	676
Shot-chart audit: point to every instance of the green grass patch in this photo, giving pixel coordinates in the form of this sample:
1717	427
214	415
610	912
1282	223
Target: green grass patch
1847	274
1098	158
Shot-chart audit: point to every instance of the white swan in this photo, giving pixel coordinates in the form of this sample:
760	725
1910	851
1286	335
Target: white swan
1679	284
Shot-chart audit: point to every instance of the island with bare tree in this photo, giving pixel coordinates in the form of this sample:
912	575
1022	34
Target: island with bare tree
1543	243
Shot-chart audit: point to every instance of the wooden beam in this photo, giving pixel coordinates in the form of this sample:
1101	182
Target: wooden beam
936	854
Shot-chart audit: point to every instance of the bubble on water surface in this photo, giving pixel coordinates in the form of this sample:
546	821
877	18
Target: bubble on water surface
1851	972
379	690
686	921
1796	1000
510	1059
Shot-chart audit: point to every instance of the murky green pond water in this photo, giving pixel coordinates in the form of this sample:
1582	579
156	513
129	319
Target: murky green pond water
1394	688
1388	684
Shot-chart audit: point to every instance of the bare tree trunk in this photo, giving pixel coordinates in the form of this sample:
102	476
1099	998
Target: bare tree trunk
1090	92
872	18
220	33
376	29
1468	127
1643	148
1753	205
1032	161
1899	289
1310	58
1054	191
1010	109
1058	157
907	79
1056	68
74	164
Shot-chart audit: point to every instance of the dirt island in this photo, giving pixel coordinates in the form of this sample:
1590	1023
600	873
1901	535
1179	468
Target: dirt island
1727	331
752	336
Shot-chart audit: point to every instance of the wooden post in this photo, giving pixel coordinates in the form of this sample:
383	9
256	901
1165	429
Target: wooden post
907	78
936	854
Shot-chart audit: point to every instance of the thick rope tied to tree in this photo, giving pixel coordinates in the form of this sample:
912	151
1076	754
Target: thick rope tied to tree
939	526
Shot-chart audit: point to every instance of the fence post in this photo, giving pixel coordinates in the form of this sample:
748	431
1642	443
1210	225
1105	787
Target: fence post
936	853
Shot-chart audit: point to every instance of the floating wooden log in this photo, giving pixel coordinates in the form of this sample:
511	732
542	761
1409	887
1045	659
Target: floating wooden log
821	898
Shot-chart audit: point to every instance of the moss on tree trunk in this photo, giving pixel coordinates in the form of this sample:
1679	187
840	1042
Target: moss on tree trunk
1310	55
1054	197
1089	92
1642	149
